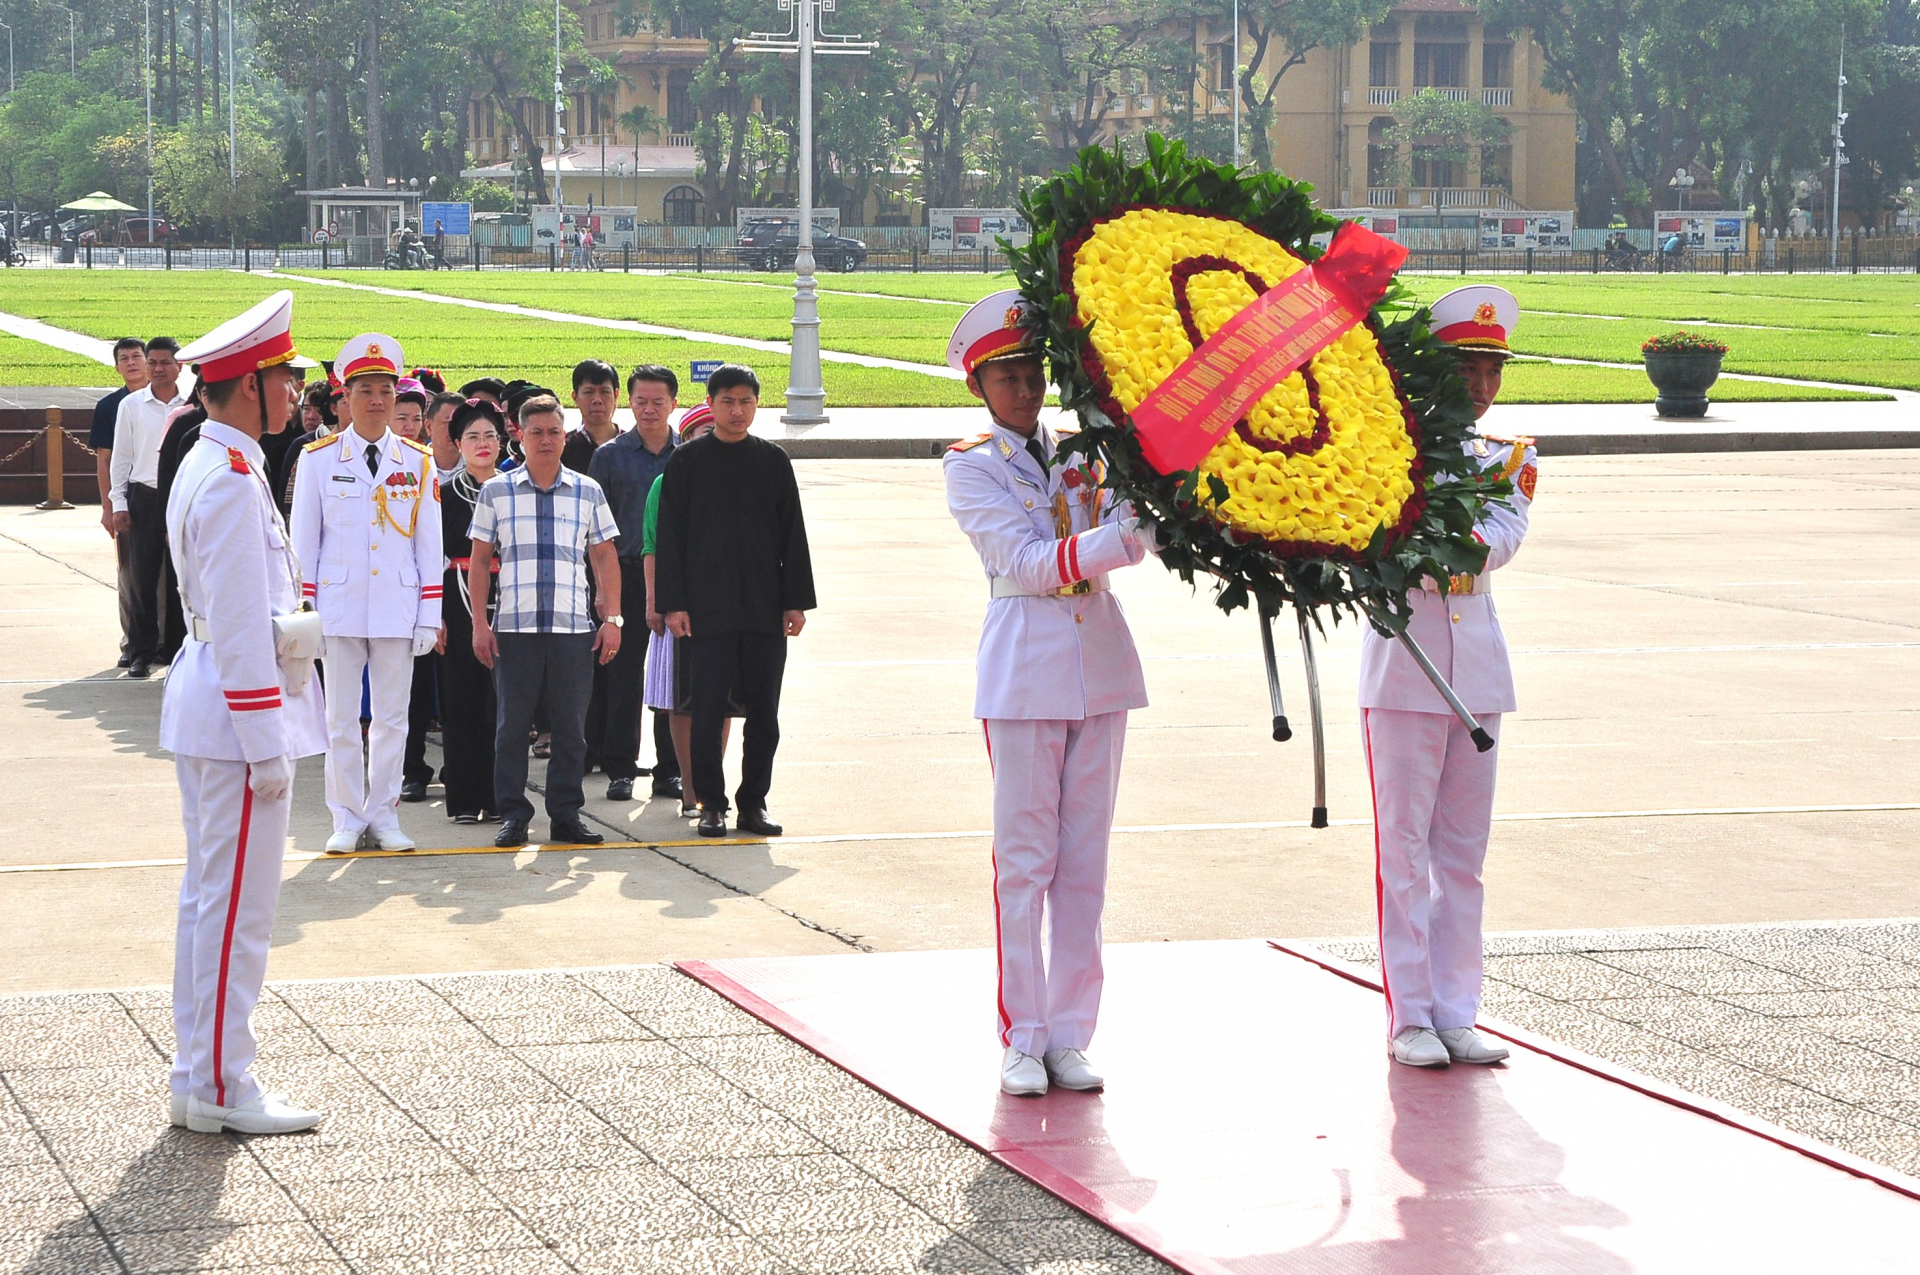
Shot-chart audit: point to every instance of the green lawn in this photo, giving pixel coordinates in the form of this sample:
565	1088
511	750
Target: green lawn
24	362
1861	330
460	343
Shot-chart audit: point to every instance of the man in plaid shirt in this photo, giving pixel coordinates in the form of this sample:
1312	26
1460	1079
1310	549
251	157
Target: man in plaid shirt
544	521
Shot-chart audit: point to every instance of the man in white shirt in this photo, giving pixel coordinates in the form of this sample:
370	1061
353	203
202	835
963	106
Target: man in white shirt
138	513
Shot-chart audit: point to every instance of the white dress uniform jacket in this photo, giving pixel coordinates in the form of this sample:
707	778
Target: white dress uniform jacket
369	545
1459	631
224	697
1043	655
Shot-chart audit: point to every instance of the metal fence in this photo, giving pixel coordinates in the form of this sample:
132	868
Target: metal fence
355	254
1857	255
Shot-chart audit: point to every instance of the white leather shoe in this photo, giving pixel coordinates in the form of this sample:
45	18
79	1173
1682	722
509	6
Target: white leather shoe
1464	1045
392	839
177	1111
1022	1075
269	1113
1069	1069
343	842
1420	1047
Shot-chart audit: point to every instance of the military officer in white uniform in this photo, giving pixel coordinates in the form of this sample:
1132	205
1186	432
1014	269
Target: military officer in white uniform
366	524
1057	675
236	715
1432	791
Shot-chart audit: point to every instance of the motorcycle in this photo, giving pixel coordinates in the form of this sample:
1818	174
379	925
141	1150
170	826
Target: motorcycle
411	257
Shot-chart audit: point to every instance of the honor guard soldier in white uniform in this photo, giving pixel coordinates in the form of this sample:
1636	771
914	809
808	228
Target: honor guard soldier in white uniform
366	523
1057	676
242	702
1432	791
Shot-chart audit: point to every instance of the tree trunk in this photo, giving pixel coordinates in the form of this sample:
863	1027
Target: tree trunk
376	122
311	106
173	62
199	65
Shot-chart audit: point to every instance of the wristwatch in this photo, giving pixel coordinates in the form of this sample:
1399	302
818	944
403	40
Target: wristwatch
617	621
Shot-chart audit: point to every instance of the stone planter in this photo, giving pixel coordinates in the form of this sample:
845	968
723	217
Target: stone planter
1681	380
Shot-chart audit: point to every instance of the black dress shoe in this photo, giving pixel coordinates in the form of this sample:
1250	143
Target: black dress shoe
139	668
668	787
620	790
125	660
756	821
513	832
713	823
413	790
575	833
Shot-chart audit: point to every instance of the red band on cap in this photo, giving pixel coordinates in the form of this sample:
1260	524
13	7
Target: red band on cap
365	365
997	342
1472	333
273	350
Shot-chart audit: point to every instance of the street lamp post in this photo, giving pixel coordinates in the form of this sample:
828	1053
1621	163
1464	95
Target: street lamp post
146	74
1839	150
1233	81
806	396
559	111
73	61
1682	181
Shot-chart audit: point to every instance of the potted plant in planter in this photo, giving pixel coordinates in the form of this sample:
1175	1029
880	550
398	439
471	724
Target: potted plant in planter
1682	366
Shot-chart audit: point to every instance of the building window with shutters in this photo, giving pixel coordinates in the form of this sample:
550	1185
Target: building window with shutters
684	206
681	116
1380	154
1383	64
1496	65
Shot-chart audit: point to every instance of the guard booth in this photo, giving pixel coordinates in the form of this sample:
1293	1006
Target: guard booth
361	218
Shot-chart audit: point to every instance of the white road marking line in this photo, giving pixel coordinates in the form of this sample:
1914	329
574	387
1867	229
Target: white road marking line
825	291
850	838
618	325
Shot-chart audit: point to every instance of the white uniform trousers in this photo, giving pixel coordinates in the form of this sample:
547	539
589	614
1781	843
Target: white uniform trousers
235	845
1432	811
1054	784
363	783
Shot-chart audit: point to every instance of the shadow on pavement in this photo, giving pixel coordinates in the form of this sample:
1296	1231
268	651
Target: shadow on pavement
127	711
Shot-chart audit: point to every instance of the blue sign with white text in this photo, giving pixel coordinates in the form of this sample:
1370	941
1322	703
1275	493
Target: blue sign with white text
704	368
455	219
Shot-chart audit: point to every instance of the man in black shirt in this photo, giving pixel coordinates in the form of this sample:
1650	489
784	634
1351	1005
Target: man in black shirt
130	361
596	393
734	581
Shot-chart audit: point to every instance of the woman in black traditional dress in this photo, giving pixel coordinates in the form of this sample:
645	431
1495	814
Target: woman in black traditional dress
466	685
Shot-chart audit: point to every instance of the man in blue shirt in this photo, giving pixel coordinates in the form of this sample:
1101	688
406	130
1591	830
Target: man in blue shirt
625	468
130	361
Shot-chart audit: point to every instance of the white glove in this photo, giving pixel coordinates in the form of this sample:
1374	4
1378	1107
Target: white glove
272	779
1140	535
423	640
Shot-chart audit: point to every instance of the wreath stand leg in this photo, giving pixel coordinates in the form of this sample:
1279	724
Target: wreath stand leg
1281	731
1481	740
1319	723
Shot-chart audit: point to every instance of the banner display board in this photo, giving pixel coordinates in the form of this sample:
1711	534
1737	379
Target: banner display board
1547	231
455	219
612	226
971	229
826	221
1707	231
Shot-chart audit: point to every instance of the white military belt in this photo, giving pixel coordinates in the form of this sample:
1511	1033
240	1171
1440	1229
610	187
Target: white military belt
1003	587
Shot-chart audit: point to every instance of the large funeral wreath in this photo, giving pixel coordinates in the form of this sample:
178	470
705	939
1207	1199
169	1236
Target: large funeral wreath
1342	486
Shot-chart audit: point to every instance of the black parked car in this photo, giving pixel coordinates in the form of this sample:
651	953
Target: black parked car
772	245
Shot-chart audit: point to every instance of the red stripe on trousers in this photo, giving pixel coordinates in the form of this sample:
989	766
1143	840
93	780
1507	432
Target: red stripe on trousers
1379	881
1073	555
999	965
226	941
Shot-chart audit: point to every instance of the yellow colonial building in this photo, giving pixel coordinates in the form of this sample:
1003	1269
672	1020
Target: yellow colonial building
1332	115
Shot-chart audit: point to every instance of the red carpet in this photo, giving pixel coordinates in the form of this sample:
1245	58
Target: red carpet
1253	1123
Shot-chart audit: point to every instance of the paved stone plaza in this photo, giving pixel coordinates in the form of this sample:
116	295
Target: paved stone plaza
1708	786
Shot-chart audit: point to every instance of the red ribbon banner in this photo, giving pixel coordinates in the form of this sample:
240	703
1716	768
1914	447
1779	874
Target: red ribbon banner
1184	416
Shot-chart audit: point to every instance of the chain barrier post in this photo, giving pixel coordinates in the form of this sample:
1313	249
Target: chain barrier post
56	439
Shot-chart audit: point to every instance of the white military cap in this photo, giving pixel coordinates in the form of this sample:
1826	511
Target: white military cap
260	338
1004	325
369	352
1480	316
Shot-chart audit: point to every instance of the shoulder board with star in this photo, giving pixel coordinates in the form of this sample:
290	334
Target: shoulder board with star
420	447
237	461
320	442
1520	440
968	444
